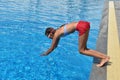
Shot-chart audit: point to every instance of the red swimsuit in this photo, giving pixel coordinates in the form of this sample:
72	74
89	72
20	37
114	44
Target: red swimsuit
82	27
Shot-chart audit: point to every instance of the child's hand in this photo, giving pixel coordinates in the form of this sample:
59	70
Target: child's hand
43	54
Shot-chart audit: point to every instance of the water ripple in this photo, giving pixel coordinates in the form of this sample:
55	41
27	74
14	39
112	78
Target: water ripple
22	39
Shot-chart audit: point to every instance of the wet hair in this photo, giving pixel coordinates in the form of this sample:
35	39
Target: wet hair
48	30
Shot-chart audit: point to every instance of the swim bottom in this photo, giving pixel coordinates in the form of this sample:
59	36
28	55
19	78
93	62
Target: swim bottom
82	27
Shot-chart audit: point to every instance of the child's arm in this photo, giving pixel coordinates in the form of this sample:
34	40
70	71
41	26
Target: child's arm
53	46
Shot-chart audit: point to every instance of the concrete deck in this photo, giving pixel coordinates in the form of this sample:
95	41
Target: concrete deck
117	9
108	42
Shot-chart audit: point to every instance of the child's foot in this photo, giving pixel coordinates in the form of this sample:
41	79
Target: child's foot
103	61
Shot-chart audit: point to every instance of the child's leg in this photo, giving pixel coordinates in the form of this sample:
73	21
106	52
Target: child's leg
83	49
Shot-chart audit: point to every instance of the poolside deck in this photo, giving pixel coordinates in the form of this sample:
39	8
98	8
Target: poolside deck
109	42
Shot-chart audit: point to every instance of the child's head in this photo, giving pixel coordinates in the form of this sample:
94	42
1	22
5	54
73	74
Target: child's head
50	32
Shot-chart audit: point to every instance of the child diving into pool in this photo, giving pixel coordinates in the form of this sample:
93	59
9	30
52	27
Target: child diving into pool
83	28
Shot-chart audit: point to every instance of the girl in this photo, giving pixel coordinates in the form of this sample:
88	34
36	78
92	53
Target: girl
83	28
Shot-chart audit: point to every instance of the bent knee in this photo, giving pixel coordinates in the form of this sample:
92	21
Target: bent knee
82	51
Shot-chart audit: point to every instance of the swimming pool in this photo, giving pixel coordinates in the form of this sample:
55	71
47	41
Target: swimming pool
22	40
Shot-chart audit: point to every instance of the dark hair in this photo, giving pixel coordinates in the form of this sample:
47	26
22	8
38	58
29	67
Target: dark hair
48	30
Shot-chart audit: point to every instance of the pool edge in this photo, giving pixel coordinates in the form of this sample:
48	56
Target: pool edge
106	73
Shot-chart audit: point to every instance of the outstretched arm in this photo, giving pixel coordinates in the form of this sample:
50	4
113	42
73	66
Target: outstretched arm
55	42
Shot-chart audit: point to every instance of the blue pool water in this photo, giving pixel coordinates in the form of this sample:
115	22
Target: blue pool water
22	40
